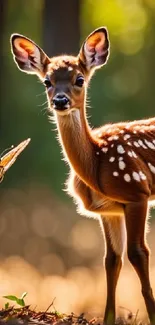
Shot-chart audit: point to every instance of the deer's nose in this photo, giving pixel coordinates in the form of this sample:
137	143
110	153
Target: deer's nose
60	101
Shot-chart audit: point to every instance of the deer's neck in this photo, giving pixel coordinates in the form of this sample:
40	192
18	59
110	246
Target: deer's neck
78	145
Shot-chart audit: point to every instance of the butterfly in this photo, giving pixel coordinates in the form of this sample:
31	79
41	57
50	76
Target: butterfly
10	157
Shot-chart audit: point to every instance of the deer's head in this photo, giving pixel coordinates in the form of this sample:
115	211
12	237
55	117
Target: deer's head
65	77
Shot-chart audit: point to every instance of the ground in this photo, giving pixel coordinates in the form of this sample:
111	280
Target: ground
25	315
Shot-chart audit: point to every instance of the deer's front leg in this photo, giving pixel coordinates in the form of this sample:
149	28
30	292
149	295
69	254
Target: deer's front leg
114	230
138	252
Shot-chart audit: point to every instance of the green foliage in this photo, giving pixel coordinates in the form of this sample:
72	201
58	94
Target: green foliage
7	305
20	301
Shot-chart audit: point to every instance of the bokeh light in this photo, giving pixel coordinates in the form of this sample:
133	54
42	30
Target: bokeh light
71	277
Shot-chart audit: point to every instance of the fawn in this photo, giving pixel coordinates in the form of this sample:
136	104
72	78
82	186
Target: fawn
112	168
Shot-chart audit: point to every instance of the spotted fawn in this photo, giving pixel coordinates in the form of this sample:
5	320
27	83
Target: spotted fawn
112	168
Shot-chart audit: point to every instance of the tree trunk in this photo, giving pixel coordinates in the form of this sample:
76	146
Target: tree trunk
2	19
3	5
61	27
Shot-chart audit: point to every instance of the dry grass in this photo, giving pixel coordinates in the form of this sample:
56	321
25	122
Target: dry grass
25	315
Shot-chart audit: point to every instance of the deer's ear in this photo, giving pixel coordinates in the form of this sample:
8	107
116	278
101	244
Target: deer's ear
28	56
95	50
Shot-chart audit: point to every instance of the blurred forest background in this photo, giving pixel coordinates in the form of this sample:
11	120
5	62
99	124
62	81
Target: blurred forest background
45	248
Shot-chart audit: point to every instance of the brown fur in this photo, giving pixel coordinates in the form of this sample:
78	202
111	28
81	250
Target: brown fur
112	174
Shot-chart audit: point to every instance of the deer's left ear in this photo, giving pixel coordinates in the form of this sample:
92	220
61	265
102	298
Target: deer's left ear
28	56
95	50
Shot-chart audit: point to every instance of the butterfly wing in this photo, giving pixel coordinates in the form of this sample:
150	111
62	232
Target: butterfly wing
10	157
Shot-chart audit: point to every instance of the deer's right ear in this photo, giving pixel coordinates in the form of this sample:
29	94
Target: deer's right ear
28	56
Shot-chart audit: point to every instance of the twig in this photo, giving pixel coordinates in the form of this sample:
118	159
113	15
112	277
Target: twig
52	304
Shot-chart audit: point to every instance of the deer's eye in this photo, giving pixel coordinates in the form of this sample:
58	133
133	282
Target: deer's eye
47	83
79	81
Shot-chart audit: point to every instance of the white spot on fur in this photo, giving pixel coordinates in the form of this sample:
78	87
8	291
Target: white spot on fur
149	144
136	144
142	144
142	175
114	137
122	131
112	159
70	69
152	168
134	154
127	178
122	165
120	158
129	153
120	149
134	132
115	174
126	136
97	153
136	176
112	145
105	149
129	143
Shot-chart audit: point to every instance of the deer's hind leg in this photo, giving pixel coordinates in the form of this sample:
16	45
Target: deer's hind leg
115	236
138	252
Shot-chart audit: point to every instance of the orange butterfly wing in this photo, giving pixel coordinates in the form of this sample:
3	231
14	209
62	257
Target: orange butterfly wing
10	157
